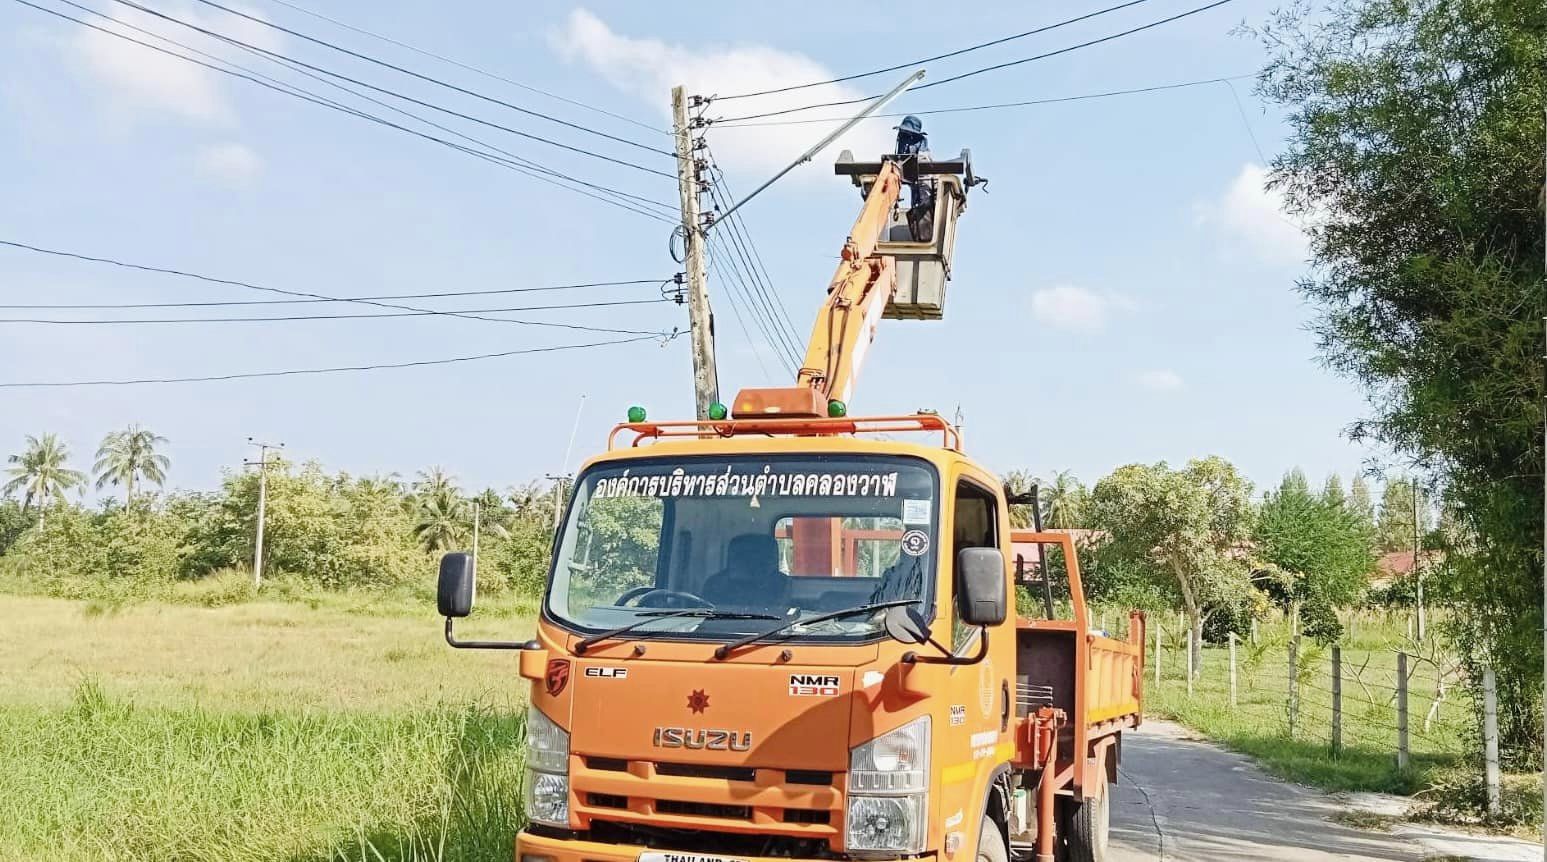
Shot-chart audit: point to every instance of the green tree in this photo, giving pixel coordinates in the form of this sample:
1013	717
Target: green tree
1361	504
1332	490
41	473
1064	501
1394	530
1317	550
128	456
1416	155
1184	529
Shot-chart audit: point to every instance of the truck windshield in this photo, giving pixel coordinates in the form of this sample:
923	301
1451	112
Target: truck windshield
754	538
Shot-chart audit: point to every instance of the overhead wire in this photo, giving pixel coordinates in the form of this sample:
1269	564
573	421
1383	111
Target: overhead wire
758	288
493	76
998	106
290	318
326	370
757	347
393	93
996	67
717	177
94	306
916	63
760	317
304	294
270	83
420	76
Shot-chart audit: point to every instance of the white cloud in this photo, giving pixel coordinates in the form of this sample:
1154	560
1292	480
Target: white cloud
1079	309
230	164
649	68
1159	380
140	77
1254	215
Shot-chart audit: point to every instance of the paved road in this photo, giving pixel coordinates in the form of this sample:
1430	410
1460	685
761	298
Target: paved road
1184	801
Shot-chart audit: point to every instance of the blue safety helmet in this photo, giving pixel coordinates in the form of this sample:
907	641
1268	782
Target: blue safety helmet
911	125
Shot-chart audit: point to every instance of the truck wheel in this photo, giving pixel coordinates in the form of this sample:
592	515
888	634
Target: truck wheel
991	843
1088	824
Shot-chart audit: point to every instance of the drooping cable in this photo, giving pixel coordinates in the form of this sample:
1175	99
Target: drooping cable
49	384
916	63
493	76
495	291
996	67
304	294
293	318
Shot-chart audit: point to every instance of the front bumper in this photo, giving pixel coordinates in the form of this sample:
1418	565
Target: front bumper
574	850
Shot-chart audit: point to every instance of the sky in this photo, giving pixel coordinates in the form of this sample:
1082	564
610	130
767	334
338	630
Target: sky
1123	288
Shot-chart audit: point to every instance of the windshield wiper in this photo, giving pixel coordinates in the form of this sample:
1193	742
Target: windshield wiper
871	607
652	616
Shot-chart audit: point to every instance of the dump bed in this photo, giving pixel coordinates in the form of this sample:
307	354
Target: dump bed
1086	685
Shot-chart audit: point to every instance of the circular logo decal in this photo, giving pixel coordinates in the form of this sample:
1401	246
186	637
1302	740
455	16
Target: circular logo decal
915	543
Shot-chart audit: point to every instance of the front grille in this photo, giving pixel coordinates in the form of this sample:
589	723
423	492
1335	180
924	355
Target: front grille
704	770
707	841
704	809
789	806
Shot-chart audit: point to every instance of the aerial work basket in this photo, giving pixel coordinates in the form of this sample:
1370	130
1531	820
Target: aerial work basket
921	238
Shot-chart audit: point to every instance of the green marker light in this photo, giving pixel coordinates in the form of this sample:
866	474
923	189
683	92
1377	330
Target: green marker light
636	414
718	411
837	409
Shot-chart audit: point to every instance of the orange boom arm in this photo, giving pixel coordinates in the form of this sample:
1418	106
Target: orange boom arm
846	324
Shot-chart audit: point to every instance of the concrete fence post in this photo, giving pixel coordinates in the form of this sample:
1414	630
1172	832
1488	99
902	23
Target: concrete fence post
1157	651
1231	637
1402	759
1337	701
1491	740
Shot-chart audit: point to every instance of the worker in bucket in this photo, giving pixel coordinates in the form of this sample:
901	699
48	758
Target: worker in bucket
914	142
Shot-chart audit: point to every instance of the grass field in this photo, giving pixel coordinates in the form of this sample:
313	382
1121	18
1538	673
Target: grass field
263	731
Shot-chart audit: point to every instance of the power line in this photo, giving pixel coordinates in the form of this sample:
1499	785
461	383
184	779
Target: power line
467	67
330	370
743	264
764	320
739	221
247	302
426	78
985	69
296	92
768	340
302	294
302	317
385	91
922	61
1001	105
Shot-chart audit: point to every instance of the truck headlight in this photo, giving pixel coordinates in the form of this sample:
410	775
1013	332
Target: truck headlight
546	788
888	791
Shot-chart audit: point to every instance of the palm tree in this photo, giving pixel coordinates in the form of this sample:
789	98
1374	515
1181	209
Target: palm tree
40	473
130	455
442	522
1063	501
435	482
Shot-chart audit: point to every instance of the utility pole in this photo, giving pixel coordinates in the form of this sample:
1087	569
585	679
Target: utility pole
559	481
263	498
706	383
476	514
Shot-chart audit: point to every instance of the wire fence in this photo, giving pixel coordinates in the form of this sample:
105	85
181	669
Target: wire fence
1378	696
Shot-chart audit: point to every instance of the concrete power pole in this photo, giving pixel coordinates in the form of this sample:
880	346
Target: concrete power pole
706	384
263	498
1423	623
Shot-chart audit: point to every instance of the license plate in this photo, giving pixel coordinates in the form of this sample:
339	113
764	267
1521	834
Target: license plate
686	857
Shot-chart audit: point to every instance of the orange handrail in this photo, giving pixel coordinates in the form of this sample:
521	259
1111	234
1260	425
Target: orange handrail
791	427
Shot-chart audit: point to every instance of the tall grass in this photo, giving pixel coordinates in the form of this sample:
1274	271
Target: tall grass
101	779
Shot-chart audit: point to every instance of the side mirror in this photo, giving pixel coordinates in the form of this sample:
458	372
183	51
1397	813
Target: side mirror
981	595
454	591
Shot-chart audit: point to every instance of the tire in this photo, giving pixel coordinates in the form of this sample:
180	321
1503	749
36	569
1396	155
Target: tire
1089	822
991	846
